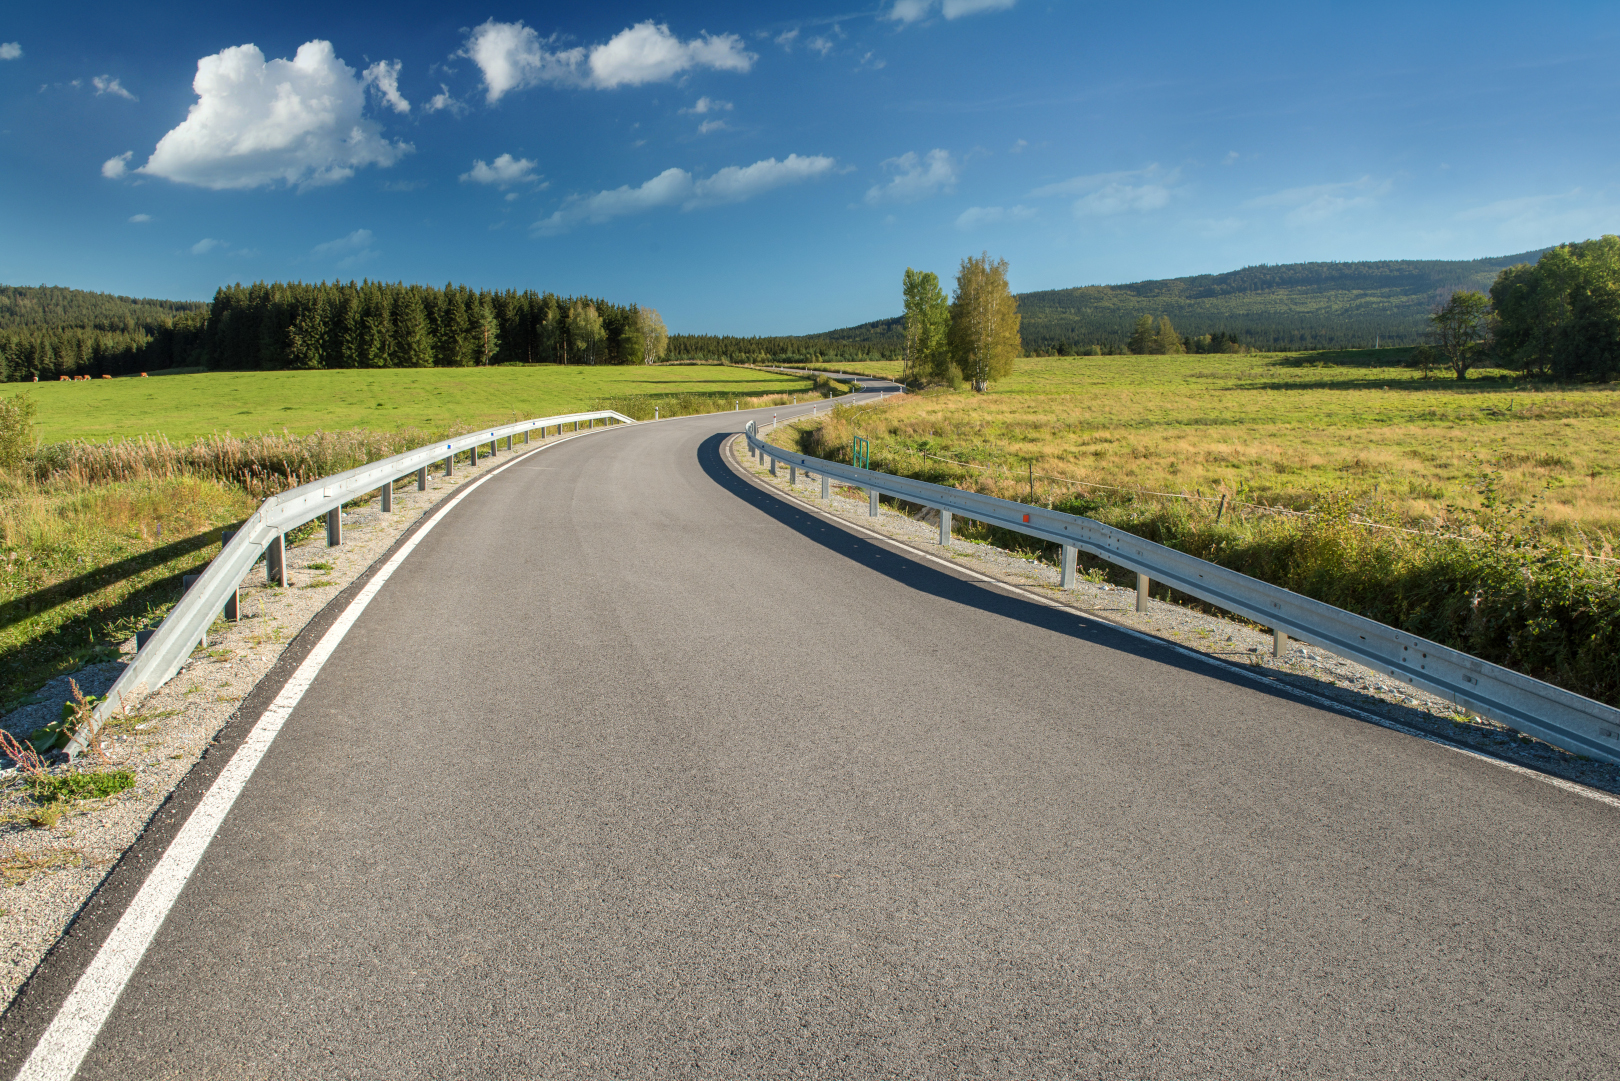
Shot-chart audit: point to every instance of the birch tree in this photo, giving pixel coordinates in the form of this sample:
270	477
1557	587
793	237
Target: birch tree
654	335
928	321
984	338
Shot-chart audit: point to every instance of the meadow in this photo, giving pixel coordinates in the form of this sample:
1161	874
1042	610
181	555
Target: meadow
183	408
1482	514
132	479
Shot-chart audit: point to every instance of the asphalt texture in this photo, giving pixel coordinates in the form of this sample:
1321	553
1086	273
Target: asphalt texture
635	769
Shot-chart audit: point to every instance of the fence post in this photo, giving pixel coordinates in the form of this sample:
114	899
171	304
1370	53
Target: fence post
826	487
387	491
421	479
334	527
944	526
275	561
1141	591
1066	573
872	501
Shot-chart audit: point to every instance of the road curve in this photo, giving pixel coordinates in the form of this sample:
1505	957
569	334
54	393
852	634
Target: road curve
634	769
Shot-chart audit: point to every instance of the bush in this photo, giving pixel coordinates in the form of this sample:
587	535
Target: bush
16	430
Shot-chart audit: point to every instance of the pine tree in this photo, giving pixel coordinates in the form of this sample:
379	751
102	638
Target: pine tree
1142	338
411	332
1166	342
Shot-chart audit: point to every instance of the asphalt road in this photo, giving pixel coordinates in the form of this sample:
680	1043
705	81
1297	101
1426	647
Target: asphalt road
635	770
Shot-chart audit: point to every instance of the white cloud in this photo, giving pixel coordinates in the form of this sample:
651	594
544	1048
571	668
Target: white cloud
1138	190
503	173
113	168
383	77
910	11
787	38
106	84
975	216
299	121
1019	147
10	50
867	61
1317	202
206	245
712	125
351	250
915	178
819	44
1231	156
443	100
513	56
708	105
673	187
138	218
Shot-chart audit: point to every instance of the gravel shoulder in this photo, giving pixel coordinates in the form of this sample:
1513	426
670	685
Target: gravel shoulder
1307	669
49	873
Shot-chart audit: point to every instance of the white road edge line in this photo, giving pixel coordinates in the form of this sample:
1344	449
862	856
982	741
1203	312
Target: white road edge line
1328	703
77	1024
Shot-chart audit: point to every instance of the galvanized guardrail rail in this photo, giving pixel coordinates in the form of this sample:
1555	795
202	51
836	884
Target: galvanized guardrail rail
1562	718
162	652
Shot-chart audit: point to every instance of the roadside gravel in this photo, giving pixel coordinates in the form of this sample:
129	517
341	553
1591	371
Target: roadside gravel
49	873
1305	668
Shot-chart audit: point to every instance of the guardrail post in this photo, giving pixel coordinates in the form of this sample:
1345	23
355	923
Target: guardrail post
275	561
509	441
773	466
826	487
1279	642
944	526
225	536
1141	592
450	465
472	456
387	492
1066	568
233	605
421	479
872	501
793	475
334	527
525	437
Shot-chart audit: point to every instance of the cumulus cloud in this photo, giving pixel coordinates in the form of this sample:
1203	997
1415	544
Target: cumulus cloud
975	216
910	11
298	121
914	178
106	84
512	56
1137	190
1316	202
139	218
677	187
113	168
383	78
443	100
708	105
503	173
10	50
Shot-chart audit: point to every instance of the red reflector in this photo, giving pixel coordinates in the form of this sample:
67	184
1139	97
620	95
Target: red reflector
1026	517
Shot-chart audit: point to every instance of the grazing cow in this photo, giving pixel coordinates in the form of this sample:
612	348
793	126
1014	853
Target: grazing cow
64	379
105	376
143	375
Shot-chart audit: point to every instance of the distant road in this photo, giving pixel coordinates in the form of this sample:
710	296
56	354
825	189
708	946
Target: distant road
634	769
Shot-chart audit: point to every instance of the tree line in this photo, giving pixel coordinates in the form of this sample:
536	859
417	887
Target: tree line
368	324
1558	317
809	350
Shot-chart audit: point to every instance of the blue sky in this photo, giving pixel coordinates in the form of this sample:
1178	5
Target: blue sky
750	168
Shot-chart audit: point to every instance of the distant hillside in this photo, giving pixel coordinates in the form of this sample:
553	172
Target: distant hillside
53	306
1291	306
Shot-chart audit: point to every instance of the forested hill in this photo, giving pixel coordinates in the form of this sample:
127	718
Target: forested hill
54	306
1290	306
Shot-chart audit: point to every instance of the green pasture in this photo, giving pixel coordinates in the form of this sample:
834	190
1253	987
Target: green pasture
186	407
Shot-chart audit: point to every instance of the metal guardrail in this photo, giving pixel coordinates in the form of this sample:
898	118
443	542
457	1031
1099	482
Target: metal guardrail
186	625
1560	717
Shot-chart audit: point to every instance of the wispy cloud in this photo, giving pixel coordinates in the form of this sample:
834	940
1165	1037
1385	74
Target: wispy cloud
1137	190
503	173
713	125
106	84
912	178
906	12
137	219
206	245
513	56
383	78
1318	202
347	251
975	216
442	100
677	187
707	105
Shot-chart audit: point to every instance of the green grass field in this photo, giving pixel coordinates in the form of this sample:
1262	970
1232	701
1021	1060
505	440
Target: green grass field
185	407
1283	428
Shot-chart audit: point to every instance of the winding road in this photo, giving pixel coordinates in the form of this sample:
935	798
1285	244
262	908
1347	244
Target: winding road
635	769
